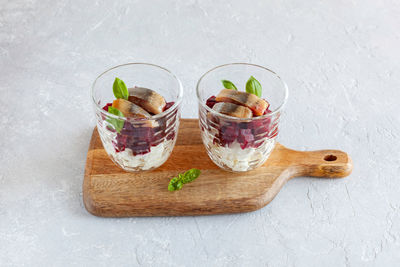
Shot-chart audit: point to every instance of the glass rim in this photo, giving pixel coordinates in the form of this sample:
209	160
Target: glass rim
139	120
279	108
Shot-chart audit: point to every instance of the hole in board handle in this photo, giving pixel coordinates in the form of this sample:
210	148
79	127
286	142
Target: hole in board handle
330	158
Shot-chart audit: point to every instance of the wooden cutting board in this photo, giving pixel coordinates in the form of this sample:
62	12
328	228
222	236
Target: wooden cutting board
109	191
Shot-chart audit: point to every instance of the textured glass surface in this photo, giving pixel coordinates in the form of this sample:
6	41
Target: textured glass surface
236	144
141	144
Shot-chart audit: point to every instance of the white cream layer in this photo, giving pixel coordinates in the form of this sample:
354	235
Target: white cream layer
238	159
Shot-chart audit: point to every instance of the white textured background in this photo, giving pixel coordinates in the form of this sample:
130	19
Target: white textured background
340	60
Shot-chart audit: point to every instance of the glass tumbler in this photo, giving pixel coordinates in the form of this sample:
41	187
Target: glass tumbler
238	144
141	144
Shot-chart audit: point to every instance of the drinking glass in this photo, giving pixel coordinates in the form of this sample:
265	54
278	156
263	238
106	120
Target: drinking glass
239	144
141	144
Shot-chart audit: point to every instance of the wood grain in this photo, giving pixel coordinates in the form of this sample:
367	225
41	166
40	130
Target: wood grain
109	191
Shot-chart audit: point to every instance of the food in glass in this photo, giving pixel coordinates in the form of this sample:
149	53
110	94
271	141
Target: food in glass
239	126
138	125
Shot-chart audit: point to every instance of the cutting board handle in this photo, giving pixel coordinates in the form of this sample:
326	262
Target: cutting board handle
321	163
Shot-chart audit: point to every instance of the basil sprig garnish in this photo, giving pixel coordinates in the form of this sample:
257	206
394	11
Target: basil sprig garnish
120	90
253	86
177	183
117	123
228	85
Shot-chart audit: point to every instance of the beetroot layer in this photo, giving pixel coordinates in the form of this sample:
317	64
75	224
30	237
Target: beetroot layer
141	139
248	134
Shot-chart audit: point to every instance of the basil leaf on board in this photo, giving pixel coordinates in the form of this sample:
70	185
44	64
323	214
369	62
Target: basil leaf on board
228	85
253	87
190	175
117	123
172	186
120	90
177	183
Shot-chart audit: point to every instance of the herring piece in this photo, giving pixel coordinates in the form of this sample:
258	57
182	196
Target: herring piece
129	109
233	110
148	99
253	102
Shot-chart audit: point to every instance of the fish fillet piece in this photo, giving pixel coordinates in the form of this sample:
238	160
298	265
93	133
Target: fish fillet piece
233	110
129	109
148	99
253	102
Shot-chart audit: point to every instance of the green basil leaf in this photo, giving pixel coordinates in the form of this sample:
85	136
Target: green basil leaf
120	90
190	175
172	186
177	183
117	123
228	85
253	87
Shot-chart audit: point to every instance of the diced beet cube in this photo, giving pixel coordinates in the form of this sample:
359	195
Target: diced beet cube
141	133
260	127
171	136
140	148
211	102
212	120
168	105
260	132
216	141
219	140
244	125
258	144
229	133
119	146
267	111
158	132
245	138
106	106
127	129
